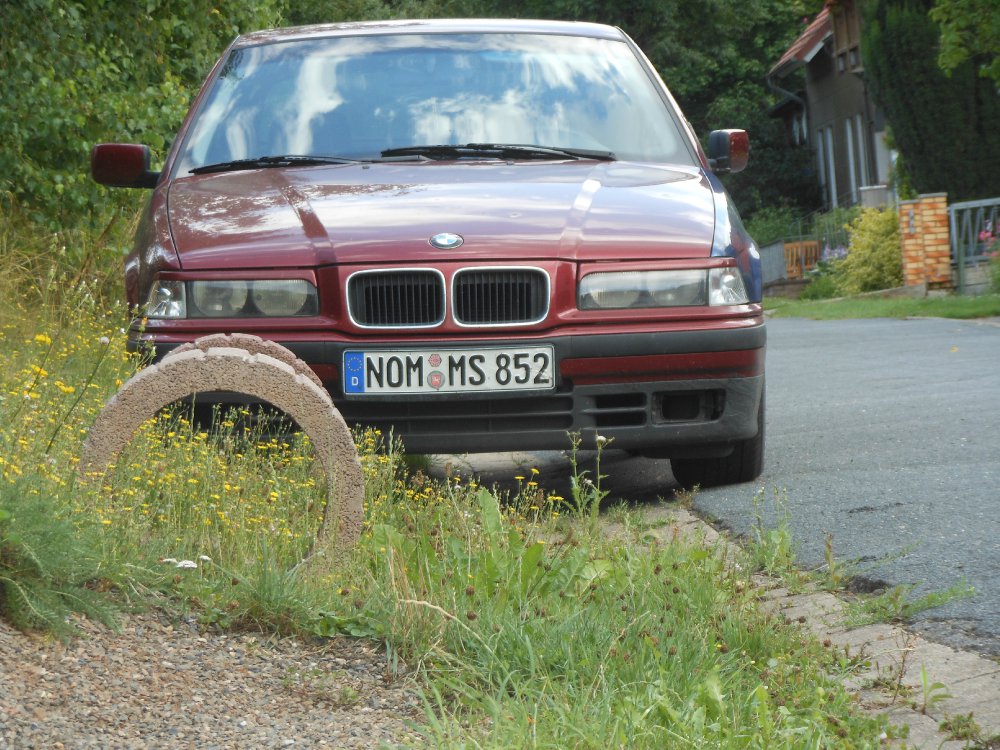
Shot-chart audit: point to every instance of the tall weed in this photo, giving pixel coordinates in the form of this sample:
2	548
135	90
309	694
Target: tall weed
40	266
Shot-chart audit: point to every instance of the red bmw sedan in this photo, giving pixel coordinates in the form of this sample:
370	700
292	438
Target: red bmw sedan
481	235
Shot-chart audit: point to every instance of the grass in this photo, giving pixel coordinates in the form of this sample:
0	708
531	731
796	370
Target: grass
952	306
523	624
898	605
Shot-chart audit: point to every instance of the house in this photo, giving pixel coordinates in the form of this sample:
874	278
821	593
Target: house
826	107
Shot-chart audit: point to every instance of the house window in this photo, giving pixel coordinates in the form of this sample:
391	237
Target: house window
831	168
825	163
846	34
864	171
800	133
852	161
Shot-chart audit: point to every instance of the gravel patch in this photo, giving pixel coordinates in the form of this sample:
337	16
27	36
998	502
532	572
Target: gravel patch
164	684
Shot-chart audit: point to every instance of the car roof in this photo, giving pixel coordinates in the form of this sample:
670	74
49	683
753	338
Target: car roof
431	26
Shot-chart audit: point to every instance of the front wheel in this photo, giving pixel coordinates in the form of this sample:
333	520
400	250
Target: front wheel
744	464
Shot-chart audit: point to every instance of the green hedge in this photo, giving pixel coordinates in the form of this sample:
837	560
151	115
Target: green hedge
80	72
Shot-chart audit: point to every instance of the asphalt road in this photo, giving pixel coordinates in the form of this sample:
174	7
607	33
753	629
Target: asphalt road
884	434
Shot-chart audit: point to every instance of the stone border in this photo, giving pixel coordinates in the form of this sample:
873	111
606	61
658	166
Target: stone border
263	370
888	653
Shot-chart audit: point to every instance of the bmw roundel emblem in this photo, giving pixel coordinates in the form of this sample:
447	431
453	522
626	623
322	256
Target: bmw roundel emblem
447	241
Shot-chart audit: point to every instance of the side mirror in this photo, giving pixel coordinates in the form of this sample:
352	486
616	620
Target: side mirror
728	151
122	165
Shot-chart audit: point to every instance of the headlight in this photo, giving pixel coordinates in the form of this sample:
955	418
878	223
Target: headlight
644	289
726	287
638	289
218	298
610	290
286	297
166	300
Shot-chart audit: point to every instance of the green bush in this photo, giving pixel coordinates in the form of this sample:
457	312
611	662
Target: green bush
823	282
874	258
42	265
78	73
772	223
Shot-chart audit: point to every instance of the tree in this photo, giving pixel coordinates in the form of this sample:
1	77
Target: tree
944	127
970	30
79	72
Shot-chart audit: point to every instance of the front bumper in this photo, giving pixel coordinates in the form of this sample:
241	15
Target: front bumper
670	394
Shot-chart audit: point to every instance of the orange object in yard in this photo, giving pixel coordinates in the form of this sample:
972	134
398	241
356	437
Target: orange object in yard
801	257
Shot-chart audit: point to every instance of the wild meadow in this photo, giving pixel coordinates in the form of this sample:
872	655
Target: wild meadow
522	623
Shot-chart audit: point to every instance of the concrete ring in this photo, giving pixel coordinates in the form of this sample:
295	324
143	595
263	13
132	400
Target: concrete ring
260	376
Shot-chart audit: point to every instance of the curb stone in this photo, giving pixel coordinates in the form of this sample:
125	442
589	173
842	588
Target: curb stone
896	660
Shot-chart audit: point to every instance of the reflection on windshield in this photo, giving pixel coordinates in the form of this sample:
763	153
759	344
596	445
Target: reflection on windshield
359	96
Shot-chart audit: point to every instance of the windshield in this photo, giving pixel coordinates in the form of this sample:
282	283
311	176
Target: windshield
358	96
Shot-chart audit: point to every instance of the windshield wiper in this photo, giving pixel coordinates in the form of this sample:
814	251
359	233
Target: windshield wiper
259	162
498	151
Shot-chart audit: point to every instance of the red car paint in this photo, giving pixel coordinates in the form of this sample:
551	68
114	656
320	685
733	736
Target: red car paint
667	379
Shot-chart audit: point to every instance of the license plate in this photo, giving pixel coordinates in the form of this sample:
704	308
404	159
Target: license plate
448	370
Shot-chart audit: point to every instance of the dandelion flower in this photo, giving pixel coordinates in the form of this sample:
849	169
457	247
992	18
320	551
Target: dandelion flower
43	338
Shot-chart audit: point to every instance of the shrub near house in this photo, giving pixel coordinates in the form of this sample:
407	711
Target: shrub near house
874	260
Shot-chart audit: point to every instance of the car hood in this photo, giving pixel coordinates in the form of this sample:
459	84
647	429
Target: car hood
387	212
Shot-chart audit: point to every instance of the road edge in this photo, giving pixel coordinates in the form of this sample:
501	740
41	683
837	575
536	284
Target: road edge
914	682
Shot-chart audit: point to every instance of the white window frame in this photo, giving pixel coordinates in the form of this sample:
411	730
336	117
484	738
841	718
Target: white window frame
831	167
852	175
821	159
864	174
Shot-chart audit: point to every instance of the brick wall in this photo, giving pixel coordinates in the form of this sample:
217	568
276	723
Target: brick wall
925	236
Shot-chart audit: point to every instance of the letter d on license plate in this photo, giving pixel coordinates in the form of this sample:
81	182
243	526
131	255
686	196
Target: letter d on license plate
527	368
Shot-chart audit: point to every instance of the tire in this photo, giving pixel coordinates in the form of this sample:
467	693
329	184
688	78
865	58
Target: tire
744	464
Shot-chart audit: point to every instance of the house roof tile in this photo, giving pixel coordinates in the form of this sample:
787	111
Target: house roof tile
806	46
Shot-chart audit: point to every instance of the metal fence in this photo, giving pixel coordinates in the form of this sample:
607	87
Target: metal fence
790	260
772	261
975	236
814	238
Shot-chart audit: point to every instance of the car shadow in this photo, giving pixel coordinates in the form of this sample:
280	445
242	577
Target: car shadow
629	479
